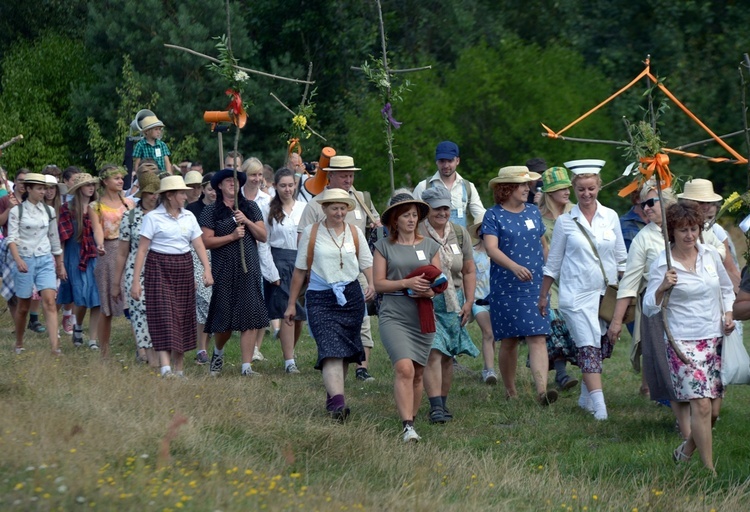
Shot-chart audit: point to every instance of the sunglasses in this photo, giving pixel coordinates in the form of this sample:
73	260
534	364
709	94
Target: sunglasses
650	202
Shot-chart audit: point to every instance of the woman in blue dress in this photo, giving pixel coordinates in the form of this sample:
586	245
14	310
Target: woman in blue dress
513	234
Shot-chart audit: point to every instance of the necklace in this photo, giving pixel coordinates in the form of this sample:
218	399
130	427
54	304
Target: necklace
339	247
685	261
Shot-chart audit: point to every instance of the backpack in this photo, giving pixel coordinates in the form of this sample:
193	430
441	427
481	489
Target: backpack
47	207
311	246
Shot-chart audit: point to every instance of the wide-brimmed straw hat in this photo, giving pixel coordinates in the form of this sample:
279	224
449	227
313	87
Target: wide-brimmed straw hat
81	179
474	228
402	199
33	178
586	166
149	183
193	178
696	190
341	163
555	178
336	195
223	174
514	174
150	122
437	197
172	183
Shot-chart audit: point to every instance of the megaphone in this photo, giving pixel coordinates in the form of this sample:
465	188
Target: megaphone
317	183
225	116
135	125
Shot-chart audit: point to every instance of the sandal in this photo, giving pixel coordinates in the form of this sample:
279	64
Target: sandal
679	454
547	397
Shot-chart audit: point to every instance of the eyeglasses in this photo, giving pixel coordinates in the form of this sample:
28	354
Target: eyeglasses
650	202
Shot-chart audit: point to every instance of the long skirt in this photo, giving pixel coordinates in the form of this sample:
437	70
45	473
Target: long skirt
336	329
170	295
450	338
655	366
277	297
81	286
105	277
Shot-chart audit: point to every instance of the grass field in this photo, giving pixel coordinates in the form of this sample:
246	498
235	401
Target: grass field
77	433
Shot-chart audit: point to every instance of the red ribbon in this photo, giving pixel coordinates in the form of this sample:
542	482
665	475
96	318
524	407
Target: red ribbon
235	103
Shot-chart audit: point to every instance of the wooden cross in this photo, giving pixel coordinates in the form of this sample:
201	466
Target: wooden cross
385	90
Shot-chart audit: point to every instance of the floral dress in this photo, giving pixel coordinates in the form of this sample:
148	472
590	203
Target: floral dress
130	228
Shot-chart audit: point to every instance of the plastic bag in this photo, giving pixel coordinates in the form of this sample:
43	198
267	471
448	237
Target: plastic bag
735	363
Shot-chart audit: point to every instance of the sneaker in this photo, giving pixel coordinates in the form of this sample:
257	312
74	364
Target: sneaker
566	383
363	375
168	375
410	435
292	368
437	415
36	326
19	350
201	357
217	363
340	414
250	373
257	356
489	377
69	321
77	338
93	345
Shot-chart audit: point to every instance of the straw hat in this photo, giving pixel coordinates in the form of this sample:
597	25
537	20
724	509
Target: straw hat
149	183
336	195
193	178
33	178
172	183
437	197
474	228
514	174
587	166
404	198
149	122
223	174
555	178
341	163
696	190
81	179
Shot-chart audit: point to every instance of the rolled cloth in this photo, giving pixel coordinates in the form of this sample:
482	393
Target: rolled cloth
424	305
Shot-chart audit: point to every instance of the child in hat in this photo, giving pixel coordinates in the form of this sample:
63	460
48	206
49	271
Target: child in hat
151	145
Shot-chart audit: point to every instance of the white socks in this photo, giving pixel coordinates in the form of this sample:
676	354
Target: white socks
245	367
584	401
165	370
288	363
599	407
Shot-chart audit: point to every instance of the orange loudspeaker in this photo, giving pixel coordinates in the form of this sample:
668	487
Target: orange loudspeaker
226	116
317	183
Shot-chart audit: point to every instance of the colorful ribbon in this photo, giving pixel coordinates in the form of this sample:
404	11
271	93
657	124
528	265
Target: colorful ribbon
292	144
387	114
658	164
235	103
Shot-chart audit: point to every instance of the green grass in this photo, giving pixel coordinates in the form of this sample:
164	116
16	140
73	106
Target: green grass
77	433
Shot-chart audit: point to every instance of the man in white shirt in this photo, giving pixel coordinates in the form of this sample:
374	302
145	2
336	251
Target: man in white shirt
341	172
464	196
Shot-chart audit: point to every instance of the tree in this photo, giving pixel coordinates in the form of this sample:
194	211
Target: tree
36	82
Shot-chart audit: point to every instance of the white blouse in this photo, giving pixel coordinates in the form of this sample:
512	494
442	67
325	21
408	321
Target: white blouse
326	261
644	249
695	304
36	234
283	235
267	267
167	234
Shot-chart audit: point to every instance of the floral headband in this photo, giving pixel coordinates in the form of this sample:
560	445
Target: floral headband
110	171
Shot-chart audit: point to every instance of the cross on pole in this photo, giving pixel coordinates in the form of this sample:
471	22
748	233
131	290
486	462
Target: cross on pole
382	77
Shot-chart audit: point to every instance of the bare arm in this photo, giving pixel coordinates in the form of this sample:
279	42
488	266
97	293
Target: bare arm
298	279
384	285
140	259
470	284
211	241
122	255
500	258
96	225
200	250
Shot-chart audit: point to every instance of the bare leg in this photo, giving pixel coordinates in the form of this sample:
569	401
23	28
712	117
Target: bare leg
539	361
288	340
22	311
447	374
333	376
681	411
404	385
700	424
50	316
247	343
105	331
433	374
507	359
488	340
178	358
221	338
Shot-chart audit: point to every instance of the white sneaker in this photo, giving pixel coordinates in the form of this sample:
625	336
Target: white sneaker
257	356
93	345
489	377
410	435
